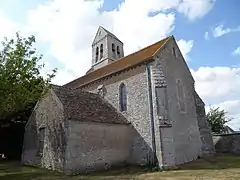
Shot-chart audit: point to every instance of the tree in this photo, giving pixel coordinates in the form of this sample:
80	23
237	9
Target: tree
21	84
217	119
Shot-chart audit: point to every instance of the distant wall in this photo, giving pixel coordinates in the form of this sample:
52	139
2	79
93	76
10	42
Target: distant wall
227	143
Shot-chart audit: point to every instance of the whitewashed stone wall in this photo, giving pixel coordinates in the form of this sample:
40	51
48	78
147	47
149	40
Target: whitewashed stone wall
96	146
180	137
47	114
137	109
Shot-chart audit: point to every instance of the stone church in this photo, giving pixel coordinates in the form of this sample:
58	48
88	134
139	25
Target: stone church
140	109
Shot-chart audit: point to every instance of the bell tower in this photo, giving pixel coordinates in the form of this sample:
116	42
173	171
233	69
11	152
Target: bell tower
106	48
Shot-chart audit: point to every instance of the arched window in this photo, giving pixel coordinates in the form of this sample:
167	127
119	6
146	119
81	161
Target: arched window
97	52
101	51
123	97
180	96
118	50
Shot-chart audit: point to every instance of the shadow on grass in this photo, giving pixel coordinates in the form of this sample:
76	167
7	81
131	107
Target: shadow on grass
216	162
14	170
127	170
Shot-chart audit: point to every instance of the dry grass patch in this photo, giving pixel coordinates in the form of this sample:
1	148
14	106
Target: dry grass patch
219	167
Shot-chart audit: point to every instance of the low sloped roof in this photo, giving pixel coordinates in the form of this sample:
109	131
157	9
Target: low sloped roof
126	62
87	107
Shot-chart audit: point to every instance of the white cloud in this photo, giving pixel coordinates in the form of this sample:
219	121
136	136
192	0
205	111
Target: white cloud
195	9
217	83
69	28
232	109
221	31
63	76
236	51
8	27
220	87
185	47
206	36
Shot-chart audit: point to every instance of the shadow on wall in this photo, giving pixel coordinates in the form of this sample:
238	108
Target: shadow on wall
30	143
106	146
140	153
43	145
227	143
11	138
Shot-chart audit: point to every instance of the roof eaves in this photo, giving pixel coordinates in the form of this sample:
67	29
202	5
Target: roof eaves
142	61
109	74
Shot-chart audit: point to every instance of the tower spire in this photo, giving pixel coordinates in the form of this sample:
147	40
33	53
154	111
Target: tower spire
106	48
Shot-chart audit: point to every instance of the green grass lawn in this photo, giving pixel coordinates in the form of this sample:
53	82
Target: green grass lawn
218	167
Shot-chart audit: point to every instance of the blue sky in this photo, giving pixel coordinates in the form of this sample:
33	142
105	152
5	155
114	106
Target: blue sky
217	51
207	31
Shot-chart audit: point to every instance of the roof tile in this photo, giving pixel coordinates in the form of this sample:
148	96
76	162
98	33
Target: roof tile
87	107
119	65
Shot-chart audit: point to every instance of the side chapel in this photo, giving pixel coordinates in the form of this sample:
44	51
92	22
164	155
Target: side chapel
139	109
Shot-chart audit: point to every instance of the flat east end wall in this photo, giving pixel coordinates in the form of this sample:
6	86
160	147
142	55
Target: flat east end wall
135	81
177	137
73	146
176	125
96	146
44	138
178	140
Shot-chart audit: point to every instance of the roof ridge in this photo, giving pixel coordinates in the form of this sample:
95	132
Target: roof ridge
166	40
128	61
145	48
137	52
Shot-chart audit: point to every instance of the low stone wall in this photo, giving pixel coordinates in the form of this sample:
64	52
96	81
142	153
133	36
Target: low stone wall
227	143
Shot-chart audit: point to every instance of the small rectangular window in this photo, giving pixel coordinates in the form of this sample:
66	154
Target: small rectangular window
41	141
174	52
123	97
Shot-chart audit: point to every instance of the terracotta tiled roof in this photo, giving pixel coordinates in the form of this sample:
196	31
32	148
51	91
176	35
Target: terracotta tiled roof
87	107
126	62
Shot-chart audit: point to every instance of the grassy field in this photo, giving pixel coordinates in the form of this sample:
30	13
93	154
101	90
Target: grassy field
216	168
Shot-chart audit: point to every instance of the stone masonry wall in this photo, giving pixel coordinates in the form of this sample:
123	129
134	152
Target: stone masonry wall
205	130
137	109
100	39
48	114
180	137
96	146
227	143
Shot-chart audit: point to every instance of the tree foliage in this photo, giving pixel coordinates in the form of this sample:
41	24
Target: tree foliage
21	83
217	119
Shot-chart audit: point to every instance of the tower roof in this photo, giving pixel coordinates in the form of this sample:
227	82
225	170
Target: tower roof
101	28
